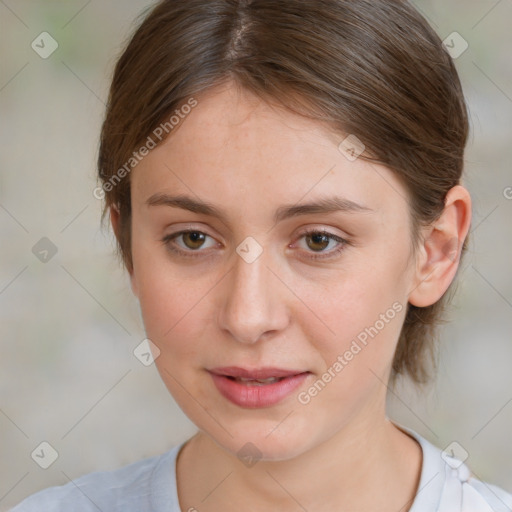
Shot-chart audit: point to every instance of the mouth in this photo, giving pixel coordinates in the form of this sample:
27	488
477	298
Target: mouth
255	382
254	388
256	373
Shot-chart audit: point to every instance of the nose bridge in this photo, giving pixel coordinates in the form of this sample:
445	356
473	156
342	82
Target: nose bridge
253	304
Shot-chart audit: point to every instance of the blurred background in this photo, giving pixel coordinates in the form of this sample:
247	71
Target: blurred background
69	323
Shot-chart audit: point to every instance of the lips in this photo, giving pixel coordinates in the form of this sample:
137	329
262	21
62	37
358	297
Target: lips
259	387
254	374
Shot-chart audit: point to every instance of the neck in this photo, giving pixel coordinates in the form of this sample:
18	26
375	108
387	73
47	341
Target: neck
368	465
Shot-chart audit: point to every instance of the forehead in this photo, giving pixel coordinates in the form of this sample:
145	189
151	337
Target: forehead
233	148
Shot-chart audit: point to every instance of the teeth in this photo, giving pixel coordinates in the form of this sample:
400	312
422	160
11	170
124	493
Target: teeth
257	382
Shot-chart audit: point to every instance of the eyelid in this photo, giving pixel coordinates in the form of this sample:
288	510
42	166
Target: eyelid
310	230
327	230
333	253
167	239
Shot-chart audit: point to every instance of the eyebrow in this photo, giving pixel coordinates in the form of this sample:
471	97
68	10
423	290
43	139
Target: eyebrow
321	205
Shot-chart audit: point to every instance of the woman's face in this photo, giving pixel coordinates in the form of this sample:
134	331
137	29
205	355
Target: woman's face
249	294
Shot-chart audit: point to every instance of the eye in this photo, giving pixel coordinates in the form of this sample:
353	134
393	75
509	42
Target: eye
319	239
193	240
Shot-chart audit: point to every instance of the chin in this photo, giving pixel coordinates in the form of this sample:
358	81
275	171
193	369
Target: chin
264	441
261	448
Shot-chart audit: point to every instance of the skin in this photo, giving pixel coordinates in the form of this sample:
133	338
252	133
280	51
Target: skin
338	452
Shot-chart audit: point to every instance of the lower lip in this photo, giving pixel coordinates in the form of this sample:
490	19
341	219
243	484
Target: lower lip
256	396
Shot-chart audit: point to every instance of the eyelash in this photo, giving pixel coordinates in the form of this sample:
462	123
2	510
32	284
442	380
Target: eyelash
166	240
342	242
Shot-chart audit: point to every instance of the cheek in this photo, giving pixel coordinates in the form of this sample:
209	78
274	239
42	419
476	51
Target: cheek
356	357
171	301
349	301
358	317
170	312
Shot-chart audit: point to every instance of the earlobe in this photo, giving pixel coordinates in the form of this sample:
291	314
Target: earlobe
439	254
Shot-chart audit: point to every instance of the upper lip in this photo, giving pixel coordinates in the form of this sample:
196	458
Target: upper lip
254	373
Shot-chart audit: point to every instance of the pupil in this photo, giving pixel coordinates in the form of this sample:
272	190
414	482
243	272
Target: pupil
195	237
317	239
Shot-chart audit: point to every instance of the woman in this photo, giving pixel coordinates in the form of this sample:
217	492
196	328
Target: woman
283	179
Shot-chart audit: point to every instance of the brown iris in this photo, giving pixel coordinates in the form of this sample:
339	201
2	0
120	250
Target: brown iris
196	238
318	238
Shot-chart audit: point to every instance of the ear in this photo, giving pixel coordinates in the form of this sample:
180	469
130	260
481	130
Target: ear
115	221
439	254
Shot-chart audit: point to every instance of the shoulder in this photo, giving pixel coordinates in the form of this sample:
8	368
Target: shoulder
448	485
133	487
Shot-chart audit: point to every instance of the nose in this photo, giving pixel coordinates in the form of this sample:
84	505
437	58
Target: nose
253	302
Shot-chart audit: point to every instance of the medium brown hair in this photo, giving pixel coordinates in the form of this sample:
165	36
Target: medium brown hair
371	68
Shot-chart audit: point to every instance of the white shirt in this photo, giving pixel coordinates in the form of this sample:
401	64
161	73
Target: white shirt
149	485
